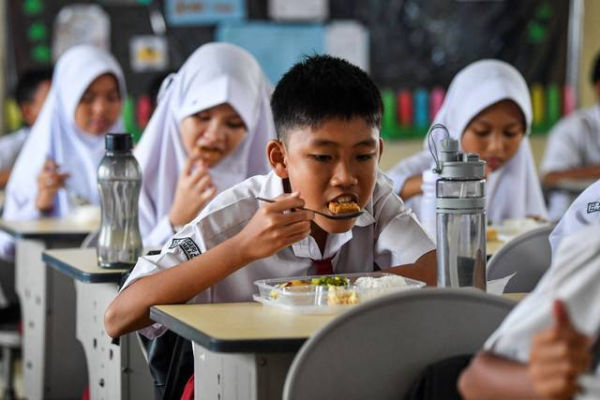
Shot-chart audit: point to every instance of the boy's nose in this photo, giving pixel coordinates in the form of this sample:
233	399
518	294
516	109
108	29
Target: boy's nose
343	176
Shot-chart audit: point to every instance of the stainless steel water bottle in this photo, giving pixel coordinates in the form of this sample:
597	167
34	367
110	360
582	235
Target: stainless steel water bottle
119	183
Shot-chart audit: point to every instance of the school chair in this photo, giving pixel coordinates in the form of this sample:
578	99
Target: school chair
376	350
528	256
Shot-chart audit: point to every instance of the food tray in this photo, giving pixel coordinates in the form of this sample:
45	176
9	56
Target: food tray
304	295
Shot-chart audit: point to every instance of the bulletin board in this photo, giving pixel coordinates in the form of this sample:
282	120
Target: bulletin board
413	44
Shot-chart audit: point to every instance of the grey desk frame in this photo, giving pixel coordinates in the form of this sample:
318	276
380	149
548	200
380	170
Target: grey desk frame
235	369
53	360
115	371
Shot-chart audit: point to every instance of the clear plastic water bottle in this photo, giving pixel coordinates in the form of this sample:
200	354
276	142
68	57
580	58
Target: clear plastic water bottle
461	220
119	183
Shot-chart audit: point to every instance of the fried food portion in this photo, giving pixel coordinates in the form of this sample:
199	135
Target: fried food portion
207	153
343	208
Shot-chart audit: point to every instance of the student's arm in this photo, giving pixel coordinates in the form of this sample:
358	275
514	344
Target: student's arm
424	269
587	172
559	354
490	377
412	187
269	231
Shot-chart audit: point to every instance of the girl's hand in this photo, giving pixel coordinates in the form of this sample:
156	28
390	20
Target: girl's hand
559	355
272	228
49	180
194	190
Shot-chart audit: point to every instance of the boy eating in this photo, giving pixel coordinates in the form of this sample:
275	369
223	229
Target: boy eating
327	115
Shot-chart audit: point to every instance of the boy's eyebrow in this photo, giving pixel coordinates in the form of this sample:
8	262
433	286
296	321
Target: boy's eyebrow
367	142
324	142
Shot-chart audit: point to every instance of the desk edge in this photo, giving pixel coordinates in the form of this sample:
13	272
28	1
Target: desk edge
225	345
79	275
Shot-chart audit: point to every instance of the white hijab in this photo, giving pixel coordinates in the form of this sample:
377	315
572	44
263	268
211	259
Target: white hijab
55	136
214	74
512	191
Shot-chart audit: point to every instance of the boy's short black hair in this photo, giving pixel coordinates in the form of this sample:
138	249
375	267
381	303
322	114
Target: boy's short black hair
596	70
28	84
322	87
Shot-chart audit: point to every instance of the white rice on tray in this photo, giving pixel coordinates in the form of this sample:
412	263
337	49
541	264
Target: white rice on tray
384	282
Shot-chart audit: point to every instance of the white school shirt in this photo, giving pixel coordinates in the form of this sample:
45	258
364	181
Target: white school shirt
584	211
411	166
10	146
387	234
575	279
574	142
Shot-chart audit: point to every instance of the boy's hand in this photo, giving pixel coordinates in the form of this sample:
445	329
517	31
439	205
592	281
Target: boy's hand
271	230
559	355
49	180
194	190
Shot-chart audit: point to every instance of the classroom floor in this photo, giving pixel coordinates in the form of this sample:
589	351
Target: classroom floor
18	366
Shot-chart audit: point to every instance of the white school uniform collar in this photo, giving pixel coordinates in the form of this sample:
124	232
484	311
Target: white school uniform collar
308	248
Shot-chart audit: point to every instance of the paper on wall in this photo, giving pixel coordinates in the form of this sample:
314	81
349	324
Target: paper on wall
149	53
80	24
348	40
305	10
203	12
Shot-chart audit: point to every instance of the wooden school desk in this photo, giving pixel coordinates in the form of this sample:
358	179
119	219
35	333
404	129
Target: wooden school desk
241	350
53	360
115	371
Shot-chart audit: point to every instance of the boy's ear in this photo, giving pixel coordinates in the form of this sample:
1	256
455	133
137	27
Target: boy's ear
380	149
276	155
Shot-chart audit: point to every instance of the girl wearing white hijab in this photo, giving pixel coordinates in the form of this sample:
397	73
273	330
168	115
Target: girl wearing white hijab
208	133
66	143
488	110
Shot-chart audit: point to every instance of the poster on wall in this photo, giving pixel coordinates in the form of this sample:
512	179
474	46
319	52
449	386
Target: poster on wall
203	12
80	24
149	53
294	10
348	40
276	47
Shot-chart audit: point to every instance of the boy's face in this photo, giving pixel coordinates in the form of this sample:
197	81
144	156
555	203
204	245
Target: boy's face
336	160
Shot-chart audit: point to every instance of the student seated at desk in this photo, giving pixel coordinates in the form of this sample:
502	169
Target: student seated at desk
327	114
56	169
30	94
573	149
488	110
208	133
544	350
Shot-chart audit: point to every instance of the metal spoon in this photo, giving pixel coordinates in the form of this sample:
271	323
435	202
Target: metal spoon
330	216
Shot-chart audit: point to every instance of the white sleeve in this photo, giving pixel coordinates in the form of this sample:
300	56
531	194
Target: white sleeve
574	278
401	239
411	166
563	147
184	245
584	211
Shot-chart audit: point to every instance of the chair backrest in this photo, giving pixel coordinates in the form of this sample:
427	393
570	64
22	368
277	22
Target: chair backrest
528	256
376	350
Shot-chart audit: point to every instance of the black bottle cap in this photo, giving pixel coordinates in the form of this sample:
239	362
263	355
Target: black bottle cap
119	142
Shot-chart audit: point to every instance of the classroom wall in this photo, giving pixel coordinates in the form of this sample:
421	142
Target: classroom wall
589	48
